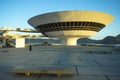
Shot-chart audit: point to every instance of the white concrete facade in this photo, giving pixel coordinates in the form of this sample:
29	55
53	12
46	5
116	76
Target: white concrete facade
75	15
50	24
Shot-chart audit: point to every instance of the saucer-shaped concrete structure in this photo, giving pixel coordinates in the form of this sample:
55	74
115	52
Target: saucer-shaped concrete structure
70	25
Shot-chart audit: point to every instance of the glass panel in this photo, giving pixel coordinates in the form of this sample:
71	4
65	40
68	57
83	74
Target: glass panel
72	23
67	23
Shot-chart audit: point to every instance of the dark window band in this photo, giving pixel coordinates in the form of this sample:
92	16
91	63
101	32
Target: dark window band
64	26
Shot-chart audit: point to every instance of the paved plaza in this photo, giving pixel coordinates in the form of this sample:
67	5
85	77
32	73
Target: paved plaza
87	65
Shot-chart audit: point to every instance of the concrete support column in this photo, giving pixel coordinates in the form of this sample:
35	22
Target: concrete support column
4	42
70	41
19	42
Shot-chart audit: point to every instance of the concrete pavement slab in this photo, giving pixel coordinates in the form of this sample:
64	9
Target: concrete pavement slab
86	66
113	77
78	62
108	62
99	70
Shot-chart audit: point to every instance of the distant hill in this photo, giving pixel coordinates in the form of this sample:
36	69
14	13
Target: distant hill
87	40
111	40
106	40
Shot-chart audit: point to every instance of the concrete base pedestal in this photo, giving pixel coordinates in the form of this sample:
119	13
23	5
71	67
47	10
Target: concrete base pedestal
70	41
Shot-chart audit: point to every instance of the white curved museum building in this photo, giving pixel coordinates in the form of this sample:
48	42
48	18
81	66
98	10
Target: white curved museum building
70	25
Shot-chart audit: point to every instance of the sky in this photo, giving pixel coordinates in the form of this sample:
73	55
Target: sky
15	13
